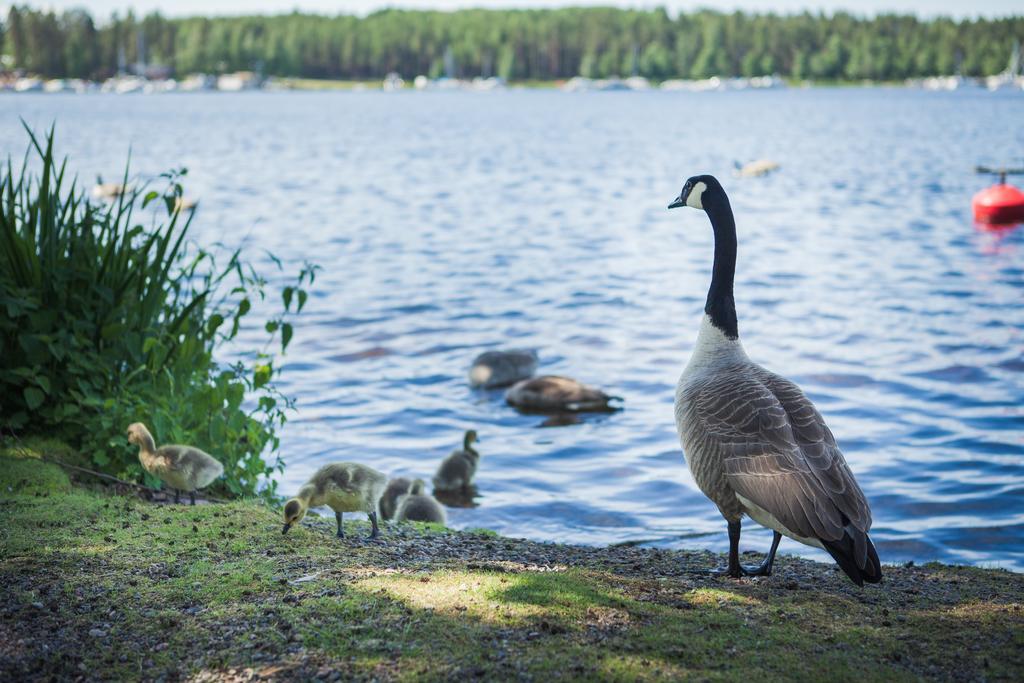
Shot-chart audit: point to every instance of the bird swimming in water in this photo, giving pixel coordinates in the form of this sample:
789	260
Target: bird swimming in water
494	369
554	394
456	472
755	169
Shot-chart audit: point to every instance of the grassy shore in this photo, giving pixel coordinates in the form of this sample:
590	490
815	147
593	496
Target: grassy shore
101	585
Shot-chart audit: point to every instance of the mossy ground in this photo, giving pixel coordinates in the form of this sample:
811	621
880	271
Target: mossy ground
104	586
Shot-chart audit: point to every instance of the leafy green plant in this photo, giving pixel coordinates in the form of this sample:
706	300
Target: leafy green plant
105	322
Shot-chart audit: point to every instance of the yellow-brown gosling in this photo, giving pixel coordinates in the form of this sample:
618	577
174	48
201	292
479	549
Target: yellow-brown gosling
183	468
554	394
455	473
494	369
343	487
418	506
397	486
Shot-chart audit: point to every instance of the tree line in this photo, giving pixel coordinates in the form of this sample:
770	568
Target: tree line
513	44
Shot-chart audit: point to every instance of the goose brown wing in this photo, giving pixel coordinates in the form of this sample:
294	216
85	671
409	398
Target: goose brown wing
191	459
819	450
781	463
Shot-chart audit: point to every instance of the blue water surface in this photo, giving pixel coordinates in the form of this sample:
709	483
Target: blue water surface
450	223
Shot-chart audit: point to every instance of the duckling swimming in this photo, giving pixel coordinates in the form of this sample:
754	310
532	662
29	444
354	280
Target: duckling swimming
554	394
417	506
183	468
343	487
457	470
494	369
398	486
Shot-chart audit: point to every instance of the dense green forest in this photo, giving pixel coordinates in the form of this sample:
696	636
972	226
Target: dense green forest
514	44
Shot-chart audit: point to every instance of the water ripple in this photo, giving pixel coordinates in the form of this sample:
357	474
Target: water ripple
535	219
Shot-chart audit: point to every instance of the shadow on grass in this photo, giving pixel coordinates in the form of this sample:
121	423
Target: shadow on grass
121	589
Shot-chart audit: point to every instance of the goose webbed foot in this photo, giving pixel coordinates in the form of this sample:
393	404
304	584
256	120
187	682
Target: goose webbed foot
765	568
341	528
735	570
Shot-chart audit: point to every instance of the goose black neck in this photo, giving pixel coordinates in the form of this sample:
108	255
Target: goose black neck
720	306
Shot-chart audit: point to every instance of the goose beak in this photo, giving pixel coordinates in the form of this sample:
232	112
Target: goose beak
285	529
677	202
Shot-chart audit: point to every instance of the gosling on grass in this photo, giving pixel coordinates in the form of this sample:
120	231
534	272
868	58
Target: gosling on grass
456	472
183	468
397	487
418	506
343	487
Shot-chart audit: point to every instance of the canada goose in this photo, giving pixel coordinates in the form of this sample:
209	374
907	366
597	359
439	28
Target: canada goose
417	506
755	169
493	369
183	468
554	394
398	486
343	487
457	470
754	443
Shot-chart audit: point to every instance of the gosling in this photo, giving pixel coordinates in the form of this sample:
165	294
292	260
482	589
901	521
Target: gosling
183	468
493	369
398	486
343	487
456	472
554	394
417	506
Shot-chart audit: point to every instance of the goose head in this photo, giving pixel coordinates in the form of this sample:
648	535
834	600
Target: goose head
698	192
294	511
469	439
135	432
138	435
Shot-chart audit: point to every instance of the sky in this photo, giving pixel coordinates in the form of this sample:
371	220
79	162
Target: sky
924	8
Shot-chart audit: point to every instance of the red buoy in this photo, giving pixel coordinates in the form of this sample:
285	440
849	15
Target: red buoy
999	204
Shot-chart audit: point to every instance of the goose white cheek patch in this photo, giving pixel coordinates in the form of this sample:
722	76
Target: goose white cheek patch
694	198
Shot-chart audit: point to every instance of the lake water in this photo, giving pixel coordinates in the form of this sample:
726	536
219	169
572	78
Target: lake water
452	223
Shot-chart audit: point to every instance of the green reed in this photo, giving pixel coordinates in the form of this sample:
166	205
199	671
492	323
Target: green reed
105	321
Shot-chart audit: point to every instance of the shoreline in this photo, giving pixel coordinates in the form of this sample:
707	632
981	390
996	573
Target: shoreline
131	85
102	585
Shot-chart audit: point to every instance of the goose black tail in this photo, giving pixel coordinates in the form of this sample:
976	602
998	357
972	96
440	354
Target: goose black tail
844	551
